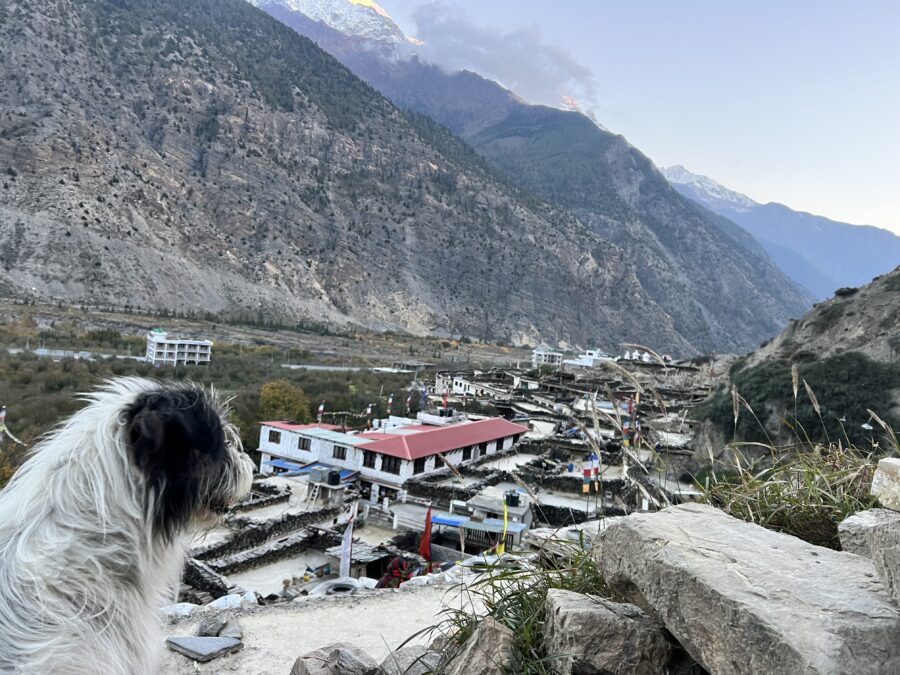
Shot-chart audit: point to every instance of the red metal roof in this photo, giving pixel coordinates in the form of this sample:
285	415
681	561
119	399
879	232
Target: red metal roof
287	426
430	442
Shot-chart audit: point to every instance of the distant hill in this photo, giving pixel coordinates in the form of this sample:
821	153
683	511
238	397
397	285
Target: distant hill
820	254
717	284
848	350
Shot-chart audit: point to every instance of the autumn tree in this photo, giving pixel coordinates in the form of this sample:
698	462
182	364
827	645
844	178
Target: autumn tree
283	400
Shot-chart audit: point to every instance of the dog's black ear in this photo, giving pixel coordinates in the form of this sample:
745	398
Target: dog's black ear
177	441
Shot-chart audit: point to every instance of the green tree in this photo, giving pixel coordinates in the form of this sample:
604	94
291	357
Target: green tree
283	400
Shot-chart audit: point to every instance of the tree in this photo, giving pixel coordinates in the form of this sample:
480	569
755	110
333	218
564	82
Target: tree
283	400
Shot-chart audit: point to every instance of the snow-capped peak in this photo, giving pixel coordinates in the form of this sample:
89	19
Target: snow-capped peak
358	18
706	186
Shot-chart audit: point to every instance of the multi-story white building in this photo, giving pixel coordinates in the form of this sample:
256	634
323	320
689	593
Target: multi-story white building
542	355
469	383
383	459
589	359
163	350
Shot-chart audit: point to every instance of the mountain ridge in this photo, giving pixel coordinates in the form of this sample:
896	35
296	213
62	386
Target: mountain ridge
819	253
628	207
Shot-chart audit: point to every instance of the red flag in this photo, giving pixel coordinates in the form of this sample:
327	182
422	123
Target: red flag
425	541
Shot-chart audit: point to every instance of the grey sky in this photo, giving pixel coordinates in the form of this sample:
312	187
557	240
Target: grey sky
793	102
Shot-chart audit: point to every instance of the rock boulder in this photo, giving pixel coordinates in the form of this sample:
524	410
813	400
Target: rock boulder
886	483
743	599
875	534
340	658
586	634
411	660
489	651
859	531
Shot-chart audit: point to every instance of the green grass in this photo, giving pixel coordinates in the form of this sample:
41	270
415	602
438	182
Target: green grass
803	493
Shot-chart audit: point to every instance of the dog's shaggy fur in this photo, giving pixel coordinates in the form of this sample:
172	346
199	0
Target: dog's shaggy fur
95	524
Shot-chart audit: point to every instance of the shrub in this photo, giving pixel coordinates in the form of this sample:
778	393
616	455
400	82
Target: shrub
846	386
846	291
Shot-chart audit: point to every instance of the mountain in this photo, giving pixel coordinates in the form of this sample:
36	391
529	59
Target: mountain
202	157
364	18
821	255
568	160
707	191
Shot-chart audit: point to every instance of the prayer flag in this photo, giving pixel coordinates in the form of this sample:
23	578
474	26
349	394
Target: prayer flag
501	547
425	541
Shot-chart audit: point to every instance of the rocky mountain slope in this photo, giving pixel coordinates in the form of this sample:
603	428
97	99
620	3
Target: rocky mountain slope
847	349
570	161
202	157
864	320
820	254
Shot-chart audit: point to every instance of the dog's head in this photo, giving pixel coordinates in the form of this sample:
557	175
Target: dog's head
189	456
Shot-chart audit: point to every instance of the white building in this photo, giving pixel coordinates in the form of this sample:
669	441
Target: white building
638	355
382	459
465	385
542	355
163	350
589	359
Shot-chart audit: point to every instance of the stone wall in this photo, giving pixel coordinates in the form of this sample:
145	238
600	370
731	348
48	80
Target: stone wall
250	533
263	494
199	576
546	474
274	551
259	499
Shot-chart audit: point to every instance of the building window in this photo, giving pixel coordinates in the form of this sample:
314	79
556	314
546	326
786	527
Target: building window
340	452
390	464
419	465
274	436
467	454
302	443
368	459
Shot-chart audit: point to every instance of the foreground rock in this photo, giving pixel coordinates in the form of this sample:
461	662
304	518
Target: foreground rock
211	627
876	534
743	599
886	483
488	651
859	533
340	658
203	648
413	660
585	634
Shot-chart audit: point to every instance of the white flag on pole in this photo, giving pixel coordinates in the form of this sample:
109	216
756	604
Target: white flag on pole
347	544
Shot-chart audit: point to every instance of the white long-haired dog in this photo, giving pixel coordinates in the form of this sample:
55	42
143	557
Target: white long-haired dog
94	526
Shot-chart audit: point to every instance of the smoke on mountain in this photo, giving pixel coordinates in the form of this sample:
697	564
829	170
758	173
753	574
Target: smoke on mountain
519	59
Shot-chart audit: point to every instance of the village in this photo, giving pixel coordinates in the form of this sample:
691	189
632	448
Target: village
493	461
476	463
